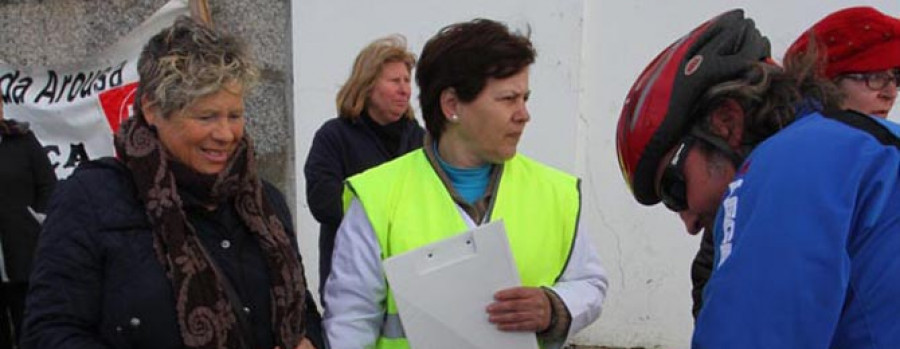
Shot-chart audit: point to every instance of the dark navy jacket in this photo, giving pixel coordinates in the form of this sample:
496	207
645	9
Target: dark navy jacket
341	148
26	180
97	281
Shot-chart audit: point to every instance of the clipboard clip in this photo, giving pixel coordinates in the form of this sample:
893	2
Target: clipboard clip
462	248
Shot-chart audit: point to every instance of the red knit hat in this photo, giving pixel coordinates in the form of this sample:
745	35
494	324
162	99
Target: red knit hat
856	39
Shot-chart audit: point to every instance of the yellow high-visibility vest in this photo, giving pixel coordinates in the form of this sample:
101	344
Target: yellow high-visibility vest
409	207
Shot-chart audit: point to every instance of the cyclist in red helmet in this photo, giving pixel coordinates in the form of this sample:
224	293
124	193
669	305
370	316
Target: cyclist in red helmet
859	51
804	197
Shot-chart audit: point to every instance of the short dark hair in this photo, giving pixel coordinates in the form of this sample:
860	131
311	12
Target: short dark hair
463	56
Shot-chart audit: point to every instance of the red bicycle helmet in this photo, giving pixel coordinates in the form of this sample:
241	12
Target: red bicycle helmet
658	110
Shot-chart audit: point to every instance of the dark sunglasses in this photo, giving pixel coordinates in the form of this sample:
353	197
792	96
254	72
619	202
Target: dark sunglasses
672	187
876	80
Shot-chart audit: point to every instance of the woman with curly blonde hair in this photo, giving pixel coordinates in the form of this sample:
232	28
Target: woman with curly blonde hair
176	243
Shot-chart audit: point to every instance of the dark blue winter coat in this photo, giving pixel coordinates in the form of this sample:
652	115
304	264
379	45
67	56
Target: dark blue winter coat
97	282
341	148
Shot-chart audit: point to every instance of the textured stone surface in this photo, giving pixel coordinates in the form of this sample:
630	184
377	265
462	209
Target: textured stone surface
63	32
269	123
264	24
267	118
66	32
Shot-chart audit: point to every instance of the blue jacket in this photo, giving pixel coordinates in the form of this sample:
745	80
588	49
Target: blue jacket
807	240
97	282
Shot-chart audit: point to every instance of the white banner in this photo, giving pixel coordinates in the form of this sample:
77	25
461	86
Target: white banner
75	110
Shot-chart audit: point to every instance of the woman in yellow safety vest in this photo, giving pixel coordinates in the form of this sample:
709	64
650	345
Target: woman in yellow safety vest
473	78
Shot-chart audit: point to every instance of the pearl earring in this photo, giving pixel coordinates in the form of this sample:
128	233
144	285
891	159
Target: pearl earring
454	118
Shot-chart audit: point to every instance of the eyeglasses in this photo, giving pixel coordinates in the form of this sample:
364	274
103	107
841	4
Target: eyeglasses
876	80
672	187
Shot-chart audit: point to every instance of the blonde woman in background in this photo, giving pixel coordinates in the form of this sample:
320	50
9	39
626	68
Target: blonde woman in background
375	124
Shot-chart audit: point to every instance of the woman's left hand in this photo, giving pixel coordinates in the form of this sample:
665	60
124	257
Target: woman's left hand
525	309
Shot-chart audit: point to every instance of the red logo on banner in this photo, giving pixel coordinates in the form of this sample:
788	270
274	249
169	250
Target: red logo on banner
117	104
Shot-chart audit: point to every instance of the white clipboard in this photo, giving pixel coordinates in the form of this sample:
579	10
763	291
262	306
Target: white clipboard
443	289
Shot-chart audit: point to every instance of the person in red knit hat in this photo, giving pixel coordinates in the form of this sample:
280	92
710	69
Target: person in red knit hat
859	50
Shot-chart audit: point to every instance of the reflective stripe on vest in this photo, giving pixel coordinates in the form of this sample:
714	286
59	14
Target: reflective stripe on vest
409	207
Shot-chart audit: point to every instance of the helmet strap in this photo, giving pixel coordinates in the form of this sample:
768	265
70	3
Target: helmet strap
736	158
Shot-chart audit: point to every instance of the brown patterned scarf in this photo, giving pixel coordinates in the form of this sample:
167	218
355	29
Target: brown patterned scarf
205	315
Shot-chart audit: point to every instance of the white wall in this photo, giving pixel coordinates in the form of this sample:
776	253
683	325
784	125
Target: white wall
589	53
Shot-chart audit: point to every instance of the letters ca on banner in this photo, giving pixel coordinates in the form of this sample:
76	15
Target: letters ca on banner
75	110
